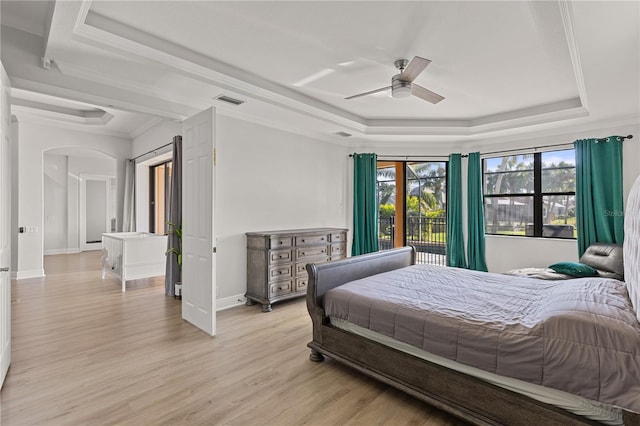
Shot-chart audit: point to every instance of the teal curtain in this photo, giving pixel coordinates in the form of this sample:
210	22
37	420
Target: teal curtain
455	237
475	215
365	204
599	194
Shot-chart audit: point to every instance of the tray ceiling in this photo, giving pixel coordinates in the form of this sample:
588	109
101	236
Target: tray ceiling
502	66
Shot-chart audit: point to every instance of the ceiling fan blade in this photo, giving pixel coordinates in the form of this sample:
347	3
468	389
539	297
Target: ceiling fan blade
370	92
425	94
415	67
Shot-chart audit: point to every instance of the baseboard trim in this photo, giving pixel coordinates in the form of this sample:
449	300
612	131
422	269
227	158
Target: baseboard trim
33	273
62	251
230	302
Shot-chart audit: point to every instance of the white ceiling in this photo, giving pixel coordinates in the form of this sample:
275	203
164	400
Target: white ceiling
503	67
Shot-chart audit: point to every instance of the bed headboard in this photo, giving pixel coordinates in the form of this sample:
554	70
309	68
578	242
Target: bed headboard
607	258
632	246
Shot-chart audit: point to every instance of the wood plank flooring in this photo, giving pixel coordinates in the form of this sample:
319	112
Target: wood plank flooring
86	354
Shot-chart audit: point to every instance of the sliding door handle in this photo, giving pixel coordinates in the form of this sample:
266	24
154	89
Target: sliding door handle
4	269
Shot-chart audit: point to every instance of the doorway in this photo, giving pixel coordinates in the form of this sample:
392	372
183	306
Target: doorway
97	210
418	216
70	204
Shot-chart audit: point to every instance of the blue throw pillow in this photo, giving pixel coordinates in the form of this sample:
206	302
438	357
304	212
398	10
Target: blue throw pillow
574	269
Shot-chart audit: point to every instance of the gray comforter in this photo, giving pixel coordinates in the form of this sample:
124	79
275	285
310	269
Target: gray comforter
578	335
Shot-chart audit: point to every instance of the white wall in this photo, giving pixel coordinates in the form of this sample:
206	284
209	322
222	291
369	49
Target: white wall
55	203
34	140
61	196
157	136
266	179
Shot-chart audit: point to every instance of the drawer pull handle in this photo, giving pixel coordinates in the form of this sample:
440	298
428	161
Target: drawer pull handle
280	242
303	240
322	239
279	272
303	253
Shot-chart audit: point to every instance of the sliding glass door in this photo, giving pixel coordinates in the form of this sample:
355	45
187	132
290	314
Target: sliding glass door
418	217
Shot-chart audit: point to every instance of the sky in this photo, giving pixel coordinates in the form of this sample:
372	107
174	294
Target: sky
548	158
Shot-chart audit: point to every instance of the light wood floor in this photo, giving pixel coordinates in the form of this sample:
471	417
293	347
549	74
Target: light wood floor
86	354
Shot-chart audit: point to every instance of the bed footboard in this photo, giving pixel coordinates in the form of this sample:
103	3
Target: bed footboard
325	276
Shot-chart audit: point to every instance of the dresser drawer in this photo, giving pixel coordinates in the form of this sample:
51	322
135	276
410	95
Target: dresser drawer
301	284
281	242
280	256
338	236
311	239
301	267
279	288
303	253
280	272
338	250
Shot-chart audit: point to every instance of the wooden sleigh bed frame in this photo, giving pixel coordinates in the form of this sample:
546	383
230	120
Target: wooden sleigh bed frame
464	396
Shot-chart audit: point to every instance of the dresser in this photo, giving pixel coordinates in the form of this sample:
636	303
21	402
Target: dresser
276	261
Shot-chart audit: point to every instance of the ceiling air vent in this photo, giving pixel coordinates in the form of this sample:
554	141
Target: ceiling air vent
343	134
230	100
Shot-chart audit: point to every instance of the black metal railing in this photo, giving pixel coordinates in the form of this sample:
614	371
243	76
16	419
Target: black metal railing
427	234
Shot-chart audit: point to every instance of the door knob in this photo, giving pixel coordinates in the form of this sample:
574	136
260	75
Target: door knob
4	269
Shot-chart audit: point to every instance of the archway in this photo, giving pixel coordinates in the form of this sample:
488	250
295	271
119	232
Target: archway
79	199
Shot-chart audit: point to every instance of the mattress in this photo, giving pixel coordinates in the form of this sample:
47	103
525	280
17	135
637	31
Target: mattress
579	336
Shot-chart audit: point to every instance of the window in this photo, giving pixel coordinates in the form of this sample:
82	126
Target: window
159	193
531	194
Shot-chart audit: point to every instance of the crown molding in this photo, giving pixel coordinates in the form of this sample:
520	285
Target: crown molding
566	13
144	127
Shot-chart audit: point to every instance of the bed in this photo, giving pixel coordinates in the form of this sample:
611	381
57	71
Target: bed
133	255
574	357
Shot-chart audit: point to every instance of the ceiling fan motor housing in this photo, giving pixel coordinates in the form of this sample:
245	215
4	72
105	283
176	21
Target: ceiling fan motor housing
400	88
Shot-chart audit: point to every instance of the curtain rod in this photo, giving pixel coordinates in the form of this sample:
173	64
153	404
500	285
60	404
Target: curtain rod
495	152
409	156
550	146
152	151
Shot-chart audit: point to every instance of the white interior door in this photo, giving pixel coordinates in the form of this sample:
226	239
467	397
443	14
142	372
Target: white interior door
198	260
5	228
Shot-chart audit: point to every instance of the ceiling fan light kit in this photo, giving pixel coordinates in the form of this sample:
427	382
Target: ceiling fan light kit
400	88
402	85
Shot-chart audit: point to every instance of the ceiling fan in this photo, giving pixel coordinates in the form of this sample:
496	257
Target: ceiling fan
402	84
